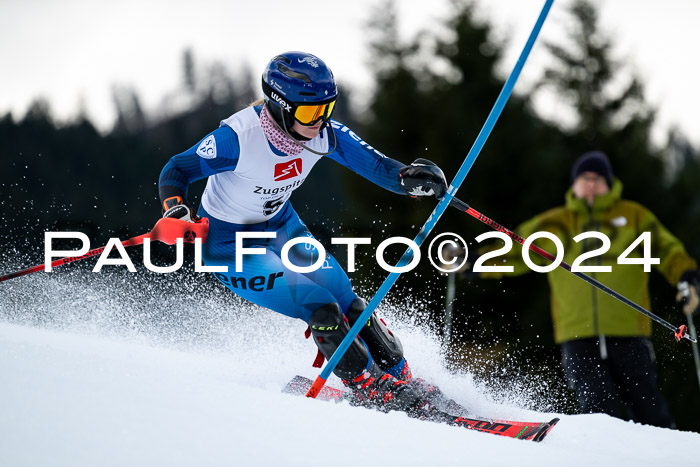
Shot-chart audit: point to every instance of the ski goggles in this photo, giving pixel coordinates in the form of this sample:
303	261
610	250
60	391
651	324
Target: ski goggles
310	114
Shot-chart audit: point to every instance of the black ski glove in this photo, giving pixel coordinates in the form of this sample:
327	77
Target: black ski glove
423	178
176	207
689	291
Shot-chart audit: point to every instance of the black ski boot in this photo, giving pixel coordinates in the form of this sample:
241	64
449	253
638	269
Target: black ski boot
371	386
386	348
376	389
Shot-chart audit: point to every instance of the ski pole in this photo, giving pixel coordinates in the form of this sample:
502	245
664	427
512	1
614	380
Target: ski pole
166	230
683	287
679	332
440	208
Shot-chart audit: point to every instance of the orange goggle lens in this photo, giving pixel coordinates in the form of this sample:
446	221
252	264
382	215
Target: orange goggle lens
309	114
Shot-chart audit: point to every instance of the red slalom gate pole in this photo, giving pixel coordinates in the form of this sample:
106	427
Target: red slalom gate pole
166	230
679	332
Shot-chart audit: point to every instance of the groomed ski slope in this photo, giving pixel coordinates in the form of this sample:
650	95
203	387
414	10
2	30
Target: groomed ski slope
115	370
70	399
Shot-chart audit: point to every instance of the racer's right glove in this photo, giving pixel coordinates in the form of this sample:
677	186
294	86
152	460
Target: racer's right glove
177	208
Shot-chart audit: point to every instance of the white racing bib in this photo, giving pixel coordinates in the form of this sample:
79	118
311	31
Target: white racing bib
262	181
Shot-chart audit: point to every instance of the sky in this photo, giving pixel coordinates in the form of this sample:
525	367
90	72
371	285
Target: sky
73	52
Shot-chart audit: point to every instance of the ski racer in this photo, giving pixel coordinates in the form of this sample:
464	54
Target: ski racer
254	161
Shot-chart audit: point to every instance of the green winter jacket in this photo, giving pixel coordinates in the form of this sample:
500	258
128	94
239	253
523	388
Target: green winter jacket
579	310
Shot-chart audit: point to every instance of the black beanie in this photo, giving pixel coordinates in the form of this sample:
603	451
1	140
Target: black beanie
596	162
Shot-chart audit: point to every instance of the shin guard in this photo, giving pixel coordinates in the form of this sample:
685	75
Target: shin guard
328	328
384	346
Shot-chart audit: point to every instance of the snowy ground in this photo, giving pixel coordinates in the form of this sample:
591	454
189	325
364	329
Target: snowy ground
103	380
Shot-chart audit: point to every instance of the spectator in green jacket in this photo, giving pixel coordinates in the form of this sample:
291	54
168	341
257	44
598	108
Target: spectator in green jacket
606	351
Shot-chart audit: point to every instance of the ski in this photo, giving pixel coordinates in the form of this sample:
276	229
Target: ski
533	431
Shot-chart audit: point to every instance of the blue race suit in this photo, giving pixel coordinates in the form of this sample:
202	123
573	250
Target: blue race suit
264	280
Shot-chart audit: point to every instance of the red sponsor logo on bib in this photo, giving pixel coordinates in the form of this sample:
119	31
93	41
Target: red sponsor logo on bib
287	170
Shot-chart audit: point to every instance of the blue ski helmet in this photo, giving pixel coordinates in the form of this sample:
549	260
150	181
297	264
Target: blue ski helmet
299	86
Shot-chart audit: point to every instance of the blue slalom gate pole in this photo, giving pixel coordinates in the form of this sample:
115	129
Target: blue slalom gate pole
440	208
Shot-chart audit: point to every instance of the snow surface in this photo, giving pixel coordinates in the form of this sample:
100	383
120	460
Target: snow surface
139	377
